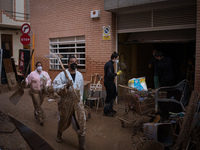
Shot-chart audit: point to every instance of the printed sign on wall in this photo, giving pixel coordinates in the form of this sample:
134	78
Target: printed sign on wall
106	32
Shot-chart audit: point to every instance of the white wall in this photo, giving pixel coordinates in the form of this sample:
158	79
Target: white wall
16	42
19	8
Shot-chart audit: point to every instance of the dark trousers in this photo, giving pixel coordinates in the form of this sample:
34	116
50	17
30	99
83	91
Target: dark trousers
111	94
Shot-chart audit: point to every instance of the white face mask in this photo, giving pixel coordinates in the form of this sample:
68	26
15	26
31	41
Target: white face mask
39	68
116	61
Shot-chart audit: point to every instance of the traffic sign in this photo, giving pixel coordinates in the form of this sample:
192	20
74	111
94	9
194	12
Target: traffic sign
106	32
25	28
25	39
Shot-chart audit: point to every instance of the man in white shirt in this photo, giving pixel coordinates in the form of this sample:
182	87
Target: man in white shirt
71	108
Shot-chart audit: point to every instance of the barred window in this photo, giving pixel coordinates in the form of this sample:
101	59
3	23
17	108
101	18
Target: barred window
67	46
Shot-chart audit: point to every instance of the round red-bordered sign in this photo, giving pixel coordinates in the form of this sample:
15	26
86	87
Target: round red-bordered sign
25	28
25	39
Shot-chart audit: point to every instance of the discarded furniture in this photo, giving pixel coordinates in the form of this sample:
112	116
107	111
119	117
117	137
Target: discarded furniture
86	89
160	132
95	94
188	137
139	102
176	99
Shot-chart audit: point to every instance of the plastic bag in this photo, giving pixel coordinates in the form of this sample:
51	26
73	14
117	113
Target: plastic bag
138	83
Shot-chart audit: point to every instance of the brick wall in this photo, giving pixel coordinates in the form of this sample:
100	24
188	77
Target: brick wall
197	69
51	19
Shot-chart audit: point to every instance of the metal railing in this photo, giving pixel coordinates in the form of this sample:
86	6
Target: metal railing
16	15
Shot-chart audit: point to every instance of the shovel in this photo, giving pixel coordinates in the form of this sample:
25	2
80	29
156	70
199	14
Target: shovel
58	56
32	138
15	97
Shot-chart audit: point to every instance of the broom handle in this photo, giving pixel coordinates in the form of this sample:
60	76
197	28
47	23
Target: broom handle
68	78
28	65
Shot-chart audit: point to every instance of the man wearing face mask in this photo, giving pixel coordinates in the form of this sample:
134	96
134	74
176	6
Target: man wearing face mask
71	110
111	92
39	82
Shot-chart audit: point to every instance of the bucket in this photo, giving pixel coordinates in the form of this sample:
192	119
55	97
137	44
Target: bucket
160	132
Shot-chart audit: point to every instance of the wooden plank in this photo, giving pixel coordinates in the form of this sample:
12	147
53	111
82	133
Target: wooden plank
186	128
8	65
12	82
10	75
195	137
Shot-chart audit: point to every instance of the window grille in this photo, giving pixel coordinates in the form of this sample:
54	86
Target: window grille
67	46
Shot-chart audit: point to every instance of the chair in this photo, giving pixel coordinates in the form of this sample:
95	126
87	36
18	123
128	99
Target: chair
172	99
95	94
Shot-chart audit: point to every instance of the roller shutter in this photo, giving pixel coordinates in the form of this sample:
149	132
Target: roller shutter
158	19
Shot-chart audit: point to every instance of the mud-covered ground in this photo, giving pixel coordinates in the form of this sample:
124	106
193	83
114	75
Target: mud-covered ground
102	133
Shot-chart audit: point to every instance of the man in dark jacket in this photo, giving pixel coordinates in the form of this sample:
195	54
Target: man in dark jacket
109	76
165	70
153	64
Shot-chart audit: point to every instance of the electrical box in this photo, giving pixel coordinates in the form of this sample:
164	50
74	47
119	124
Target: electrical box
95	14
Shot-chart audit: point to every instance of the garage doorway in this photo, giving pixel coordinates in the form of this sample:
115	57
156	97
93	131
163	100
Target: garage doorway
137	55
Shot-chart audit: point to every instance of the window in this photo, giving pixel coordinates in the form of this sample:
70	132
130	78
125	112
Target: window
67	46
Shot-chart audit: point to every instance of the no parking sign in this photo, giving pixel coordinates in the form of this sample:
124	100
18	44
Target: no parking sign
106	32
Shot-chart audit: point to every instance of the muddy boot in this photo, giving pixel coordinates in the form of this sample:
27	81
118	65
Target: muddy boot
59	137
41	122
113	111
81	140
36	115
40	119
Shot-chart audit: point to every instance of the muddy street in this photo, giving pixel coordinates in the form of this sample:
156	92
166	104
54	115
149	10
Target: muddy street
102	132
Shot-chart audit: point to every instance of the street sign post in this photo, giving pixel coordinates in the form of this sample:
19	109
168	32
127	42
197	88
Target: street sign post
25	39
25	28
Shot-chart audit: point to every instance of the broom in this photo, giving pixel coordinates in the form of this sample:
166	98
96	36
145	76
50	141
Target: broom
15	97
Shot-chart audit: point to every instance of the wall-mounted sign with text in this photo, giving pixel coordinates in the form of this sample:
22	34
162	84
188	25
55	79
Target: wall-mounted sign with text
106	32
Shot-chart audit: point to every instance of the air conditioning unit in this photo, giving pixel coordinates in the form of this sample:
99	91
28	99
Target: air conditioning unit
95	14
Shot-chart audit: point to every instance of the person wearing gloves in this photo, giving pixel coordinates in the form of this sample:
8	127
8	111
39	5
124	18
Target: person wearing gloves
70	107
111	92
39	81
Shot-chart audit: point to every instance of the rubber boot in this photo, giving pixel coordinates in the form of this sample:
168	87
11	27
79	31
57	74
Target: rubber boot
59	137
113	111
81	140
41	122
